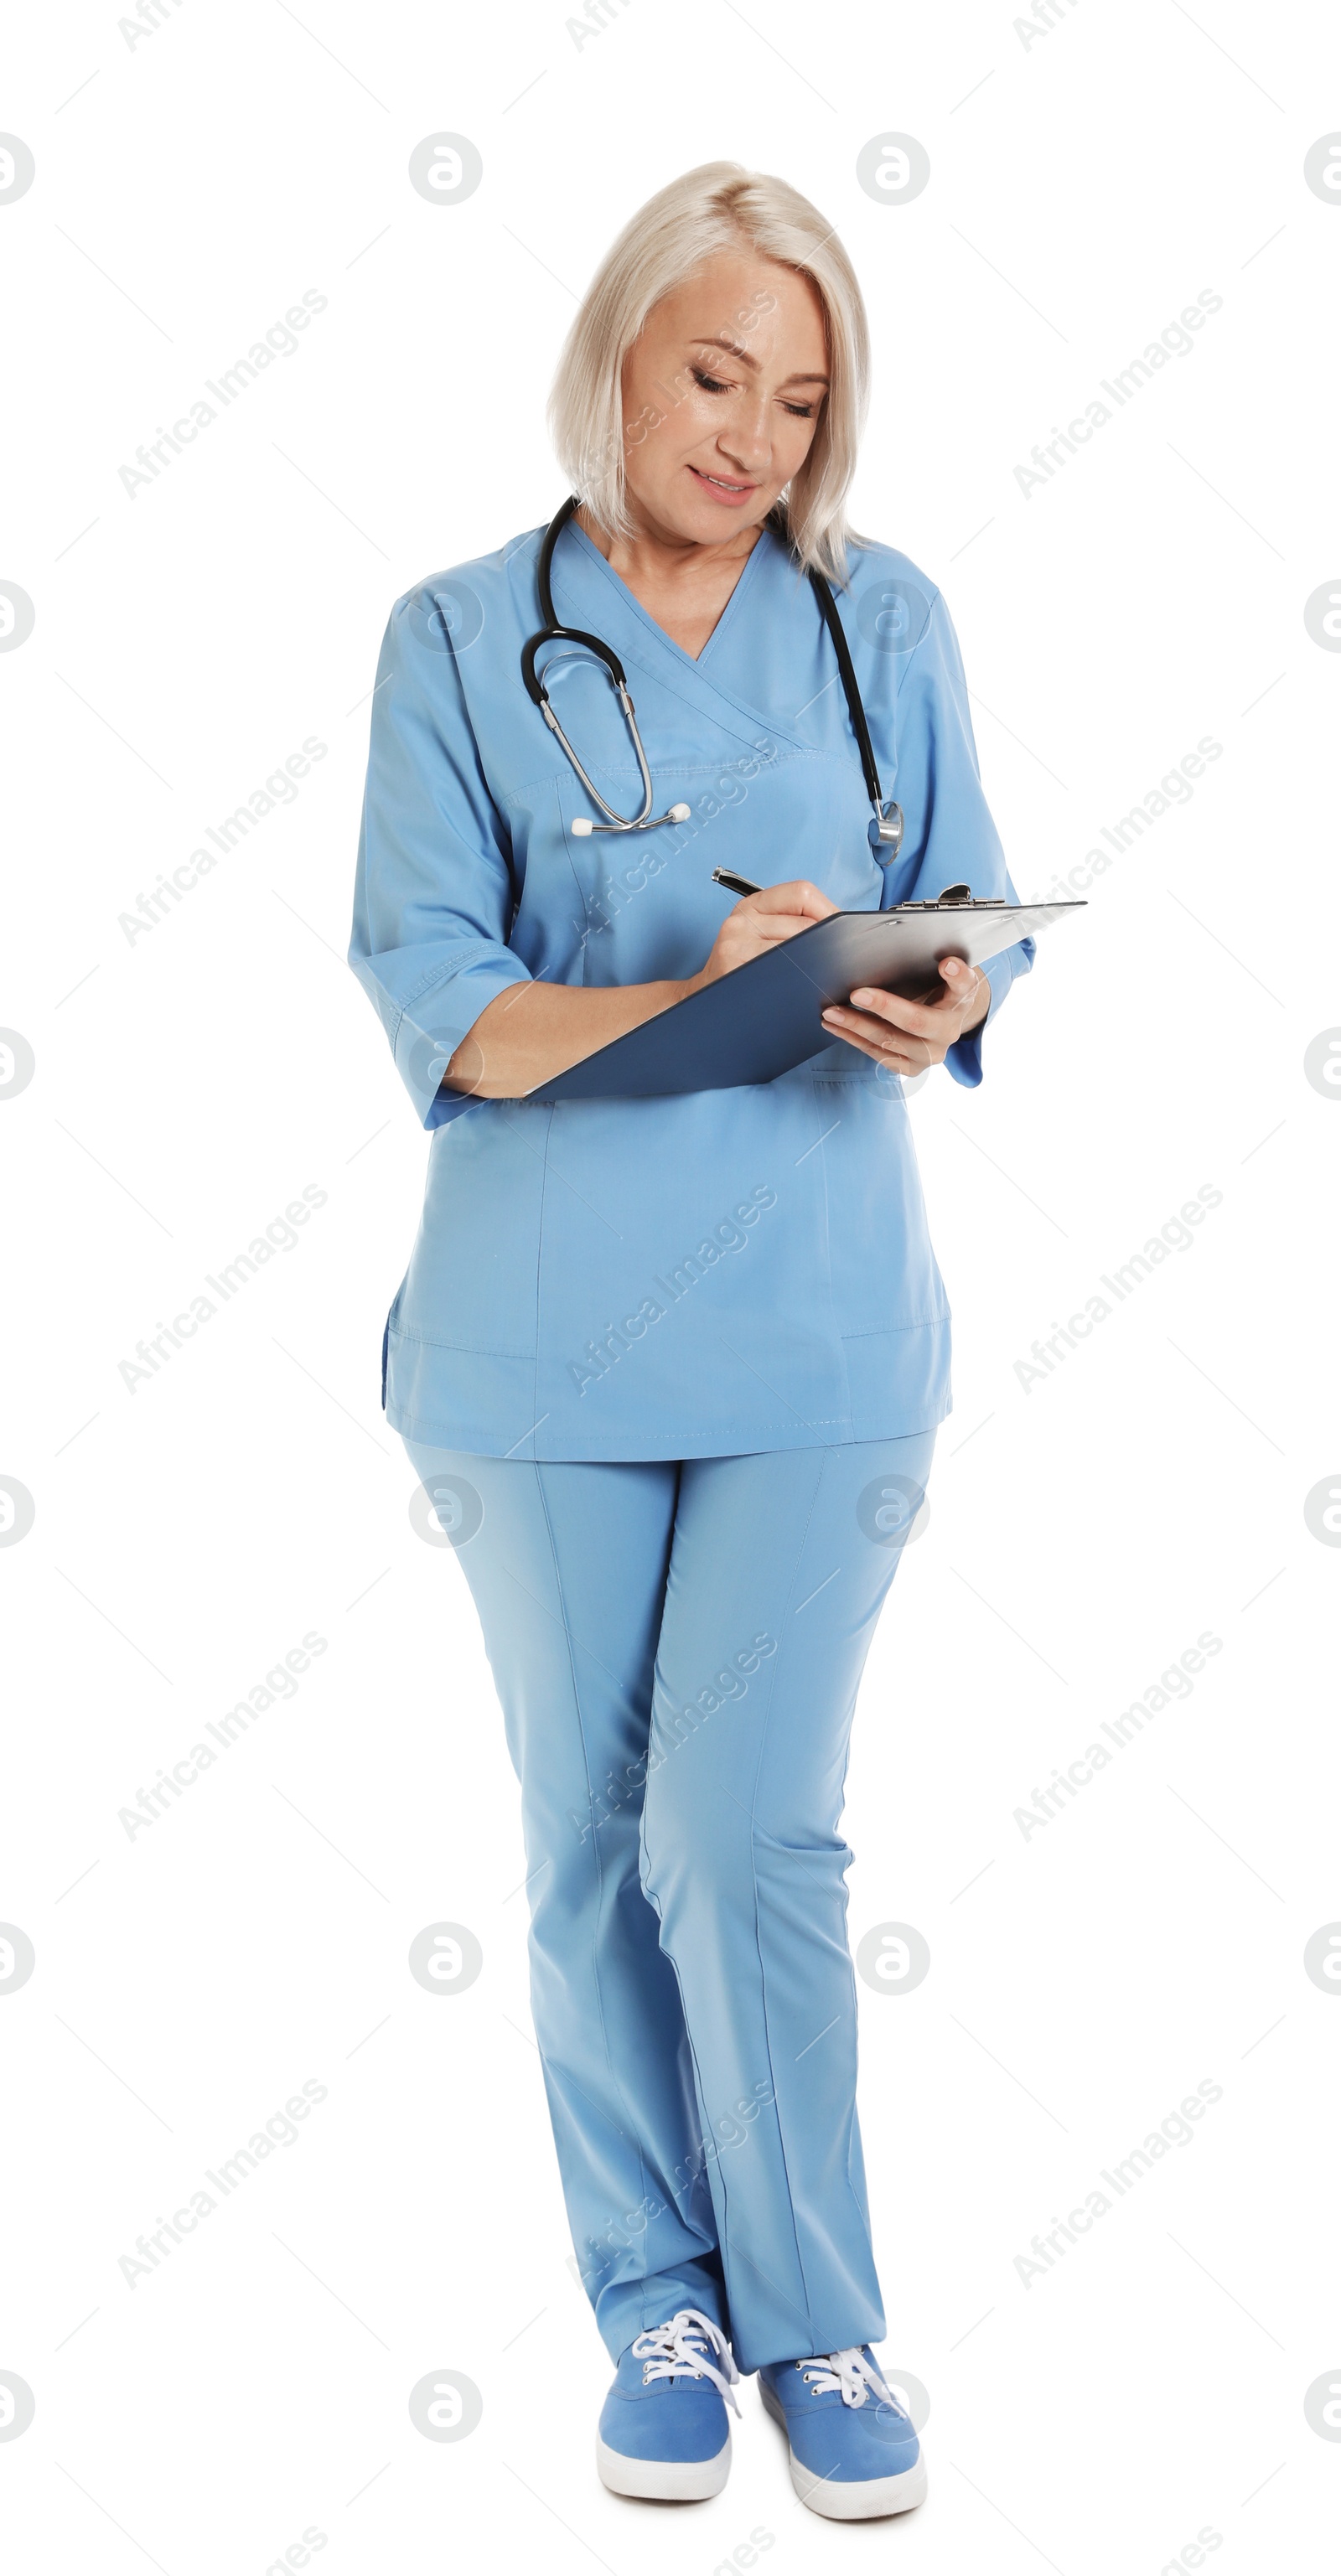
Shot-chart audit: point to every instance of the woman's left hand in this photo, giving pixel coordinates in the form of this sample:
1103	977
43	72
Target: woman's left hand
909	1036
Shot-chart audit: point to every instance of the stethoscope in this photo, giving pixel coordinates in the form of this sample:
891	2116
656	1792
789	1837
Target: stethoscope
885	829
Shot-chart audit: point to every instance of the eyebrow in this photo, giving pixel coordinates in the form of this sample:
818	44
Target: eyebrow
710	340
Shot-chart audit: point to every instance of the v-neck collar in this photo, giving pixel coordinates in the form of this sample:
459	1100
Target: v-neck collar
695	661
643	642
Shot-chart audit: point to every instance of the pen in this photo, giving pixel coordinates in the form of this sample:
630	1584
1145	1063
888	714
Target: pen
737	885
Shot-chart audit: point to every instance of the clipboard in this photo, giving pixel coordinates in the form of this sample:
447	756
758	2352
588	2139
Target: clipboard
764	1017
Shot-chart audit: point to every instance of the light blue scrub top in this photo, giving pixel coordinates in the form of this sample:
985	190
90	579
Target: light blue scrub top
724	1271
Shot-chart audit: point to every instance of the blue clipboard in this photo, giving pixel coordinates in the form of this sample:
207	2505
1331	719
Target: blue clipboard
764	1018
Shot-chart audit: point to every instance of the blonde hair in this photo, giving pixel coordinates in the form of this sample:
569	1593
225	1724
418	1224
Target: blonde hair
720	207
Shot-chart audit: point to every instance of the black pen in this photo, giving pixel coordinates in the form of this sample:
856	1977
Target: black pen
736	885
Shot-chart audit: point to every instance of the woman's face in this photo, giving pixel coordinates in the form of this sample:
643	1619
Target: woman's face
722	393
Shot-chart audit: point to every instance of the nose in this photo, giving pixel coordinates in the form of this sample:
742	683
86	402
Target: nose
747	442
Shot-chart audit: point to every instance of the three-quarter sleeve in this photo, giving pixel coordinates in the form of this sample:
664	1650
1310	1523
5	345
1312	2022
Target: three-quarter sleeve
434	896
949	836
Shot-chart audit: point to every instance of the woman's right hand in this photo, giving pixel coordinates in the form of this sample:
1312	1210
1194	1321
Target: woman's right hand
758	922
537	1029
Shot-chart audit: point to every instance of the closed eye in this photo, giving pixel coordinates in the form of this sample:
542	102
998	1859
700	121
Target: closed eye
714	385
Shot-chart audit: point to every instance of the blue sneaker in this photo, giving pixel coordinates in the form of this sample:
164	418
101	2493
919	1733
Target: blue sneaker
854	2453
663	2431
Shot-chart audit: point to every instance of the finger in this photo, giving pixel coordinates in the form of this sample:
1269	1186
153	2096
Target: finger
964	984
895	1047
959	982
892	1046
798	896
901	1010
891	1059
892	1008
772	926
927	1019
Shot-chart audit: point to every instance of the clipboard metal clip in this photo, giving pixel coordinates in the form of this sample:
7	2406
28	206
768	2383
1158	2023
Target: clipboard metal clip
959	895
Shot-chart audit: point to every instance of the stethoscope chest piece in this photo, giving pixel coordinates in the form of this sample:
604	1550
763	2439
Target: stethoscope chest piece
885	830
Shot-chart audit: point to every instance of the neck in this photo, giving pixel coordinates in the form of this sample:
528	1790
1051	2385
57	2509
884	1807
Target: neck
657	555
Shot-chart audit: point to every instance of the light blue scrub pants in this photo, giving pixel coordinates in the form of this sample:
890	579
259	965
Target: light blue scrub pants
677	1649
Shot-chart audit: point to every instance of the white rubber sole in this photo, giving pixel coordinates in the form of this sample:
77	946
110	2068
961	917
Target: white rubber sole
663	2481
849	2499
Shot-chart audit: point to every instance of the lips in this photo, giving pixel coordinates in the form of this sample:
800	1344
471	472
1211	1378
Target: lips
718	483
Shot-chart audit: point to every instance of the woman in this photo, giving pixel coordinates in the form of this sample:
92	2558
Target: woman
670	1370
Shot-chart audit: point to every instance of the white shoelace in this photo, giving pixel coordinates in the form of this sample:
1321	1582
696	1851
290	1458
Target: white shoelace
850	2373
679	2349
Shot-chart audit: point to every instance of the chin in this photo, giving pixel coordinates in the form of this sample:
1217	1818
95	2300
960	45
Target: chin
686	516
699	511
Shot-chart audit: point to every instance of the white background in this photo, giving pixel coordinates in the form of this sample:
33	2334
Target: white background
1085	186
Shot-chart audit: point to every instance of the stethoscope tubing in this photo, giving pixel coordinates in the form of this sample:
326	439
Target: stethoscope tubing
887	825
616	822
